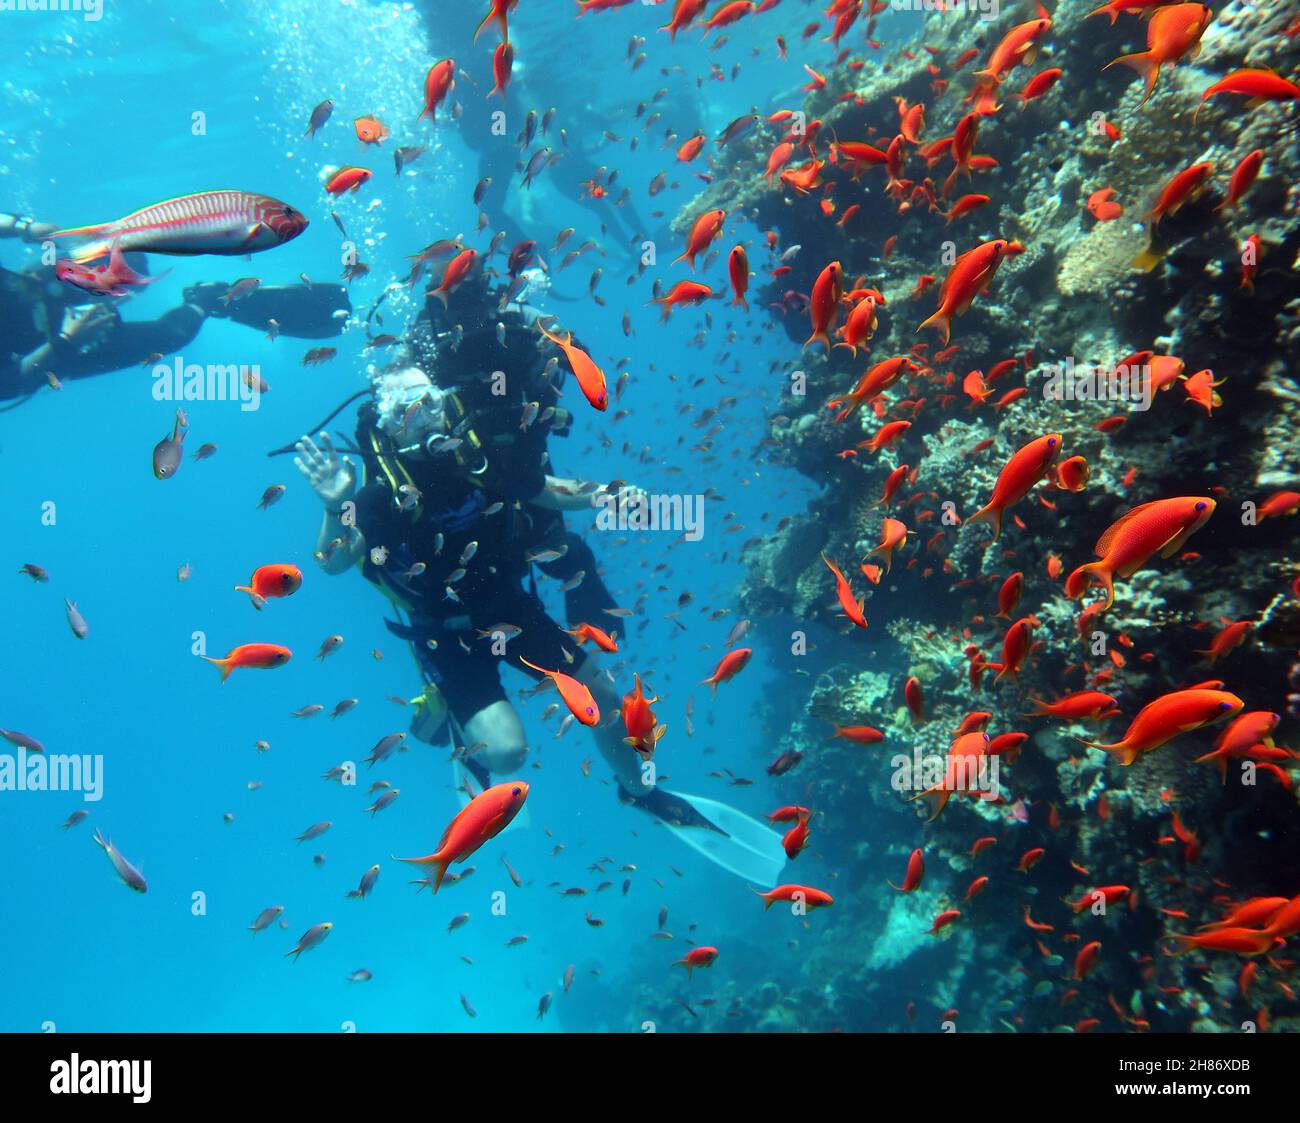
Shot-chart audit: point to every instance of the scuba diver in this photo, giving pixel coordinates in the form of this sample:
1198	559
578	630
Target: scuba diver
52	328
458	505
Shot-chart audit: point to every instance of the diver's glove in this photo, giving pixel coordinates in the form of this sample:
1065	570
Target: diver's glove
669	808
207	296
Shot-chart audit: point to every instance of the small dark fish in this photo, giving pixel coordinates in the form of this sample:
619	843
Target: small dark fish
360	976
738	128
310	939
535	165
468	1008
480	189
543	1004
168	452
78	816
35	572
314	831
319	116
204	452
131	876
408	155
266	918
76	621
22	740
271	495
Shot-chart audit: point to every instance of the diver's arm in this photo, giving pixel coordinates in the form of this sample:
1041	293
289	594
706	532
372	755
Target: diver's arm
561	495
334	481
81	328
24	227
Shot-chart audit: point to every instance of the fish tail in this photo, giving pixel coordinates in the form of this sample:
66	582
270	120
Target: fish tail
437	858
1144	63
259	601
990	514
225	665
1220	764
819	334
1105	9
1123	754
942	320
1088	574
82	231
1147	260
98	836
936	799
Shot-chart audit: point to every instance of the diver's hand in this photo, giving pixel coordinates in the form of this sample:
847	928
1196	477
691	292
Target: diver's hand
331	476
628	496
87	325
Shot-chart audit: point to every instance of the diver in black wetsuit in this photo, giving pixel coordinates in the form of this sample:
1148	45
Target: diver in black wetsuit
48	327
458	504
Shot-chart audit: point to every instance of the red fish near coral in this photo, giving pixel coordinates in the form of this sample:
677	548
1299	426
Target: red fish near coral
1170	715
1162	525
1025	468
728	667
970	275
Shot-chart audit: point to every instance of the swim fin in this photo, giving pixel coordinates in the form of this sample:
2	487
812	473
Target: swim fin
729	838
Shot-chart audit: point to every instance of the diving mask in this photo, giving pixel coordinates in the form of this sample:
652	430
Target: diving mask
409	415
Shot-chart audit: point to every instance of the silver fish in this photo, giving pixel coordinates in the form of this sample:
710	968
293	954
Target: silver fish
125	870
76	621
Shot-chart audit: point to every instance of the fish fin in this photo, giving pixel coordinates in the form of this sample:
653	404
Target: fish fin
1144	64
942	320
224	664
992	515
82	231
1147	260
936	799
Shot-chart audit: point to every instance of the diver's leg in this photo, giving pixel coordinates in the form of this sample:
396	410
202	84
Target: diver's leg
620	756
499	733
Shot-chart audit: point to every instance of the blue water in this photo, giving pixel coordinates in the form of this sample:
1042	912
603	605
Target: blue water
98	121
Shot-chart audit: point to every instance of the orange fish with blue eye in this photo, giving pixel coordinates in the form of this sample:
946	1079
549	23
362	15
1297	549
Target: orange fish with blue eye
269	581
576	696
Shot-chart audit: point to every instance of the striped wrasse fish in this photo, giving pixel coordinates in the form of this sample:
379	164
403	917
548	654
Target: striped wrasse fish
228	223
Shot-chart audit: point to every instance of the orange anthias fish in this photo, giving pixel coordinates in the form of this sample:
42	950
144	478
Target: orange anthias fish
1026	467
271	581
1160	721
1173	32
893	537
438	83
915	873
503	61
964	772
575	694
643	732
1256	84
1162	525
370	130
683	292
484	817
852	606
1086	705
970	275
262	656
824	304
347	179
738	272
804	895
1240	738
458	268
598	636
702	956
707	227
729	666
590	377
